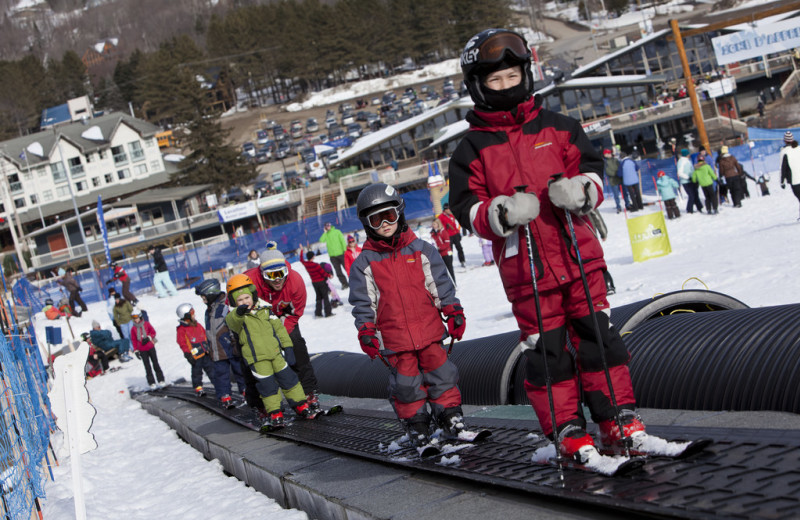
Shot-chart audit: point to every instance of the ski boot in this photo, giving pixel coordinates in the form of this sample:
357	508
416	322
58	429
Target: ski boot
304	411
226	401
575	444
452	422
198	391
418	429
313	402
273	421
632	427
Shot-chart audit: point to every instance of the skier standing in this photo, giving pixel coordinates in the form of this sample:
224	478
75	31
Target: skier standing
143	339
441	240
398	287
263	339
225	356
451	228
668	190
192	340
790	168
514	141
282	287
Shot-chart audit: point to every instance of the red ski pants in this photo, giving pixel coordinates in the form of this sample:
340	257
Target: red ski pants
420	376
565	314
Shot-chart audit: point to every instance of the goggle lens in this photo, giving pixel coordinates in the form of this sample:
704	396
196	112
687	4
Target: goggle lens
493	49
275	274
388	215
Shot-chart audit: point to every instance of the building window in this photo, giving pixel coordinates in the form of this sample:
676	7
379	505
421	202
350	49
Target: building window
150	143
34	199
151	217
62	191
95	182
120	157
101	154
81	186
140	169
26	175
109	178
19	203
76	167
41	171
59	175
13	183
89	158
135	149
47	195
123	174
155	166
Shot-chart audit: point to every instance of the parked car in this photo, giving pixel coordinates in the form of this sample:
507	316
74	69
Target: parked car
262	136
261	185
329	122
235	194
277	181
347	118
312	125
362	115
296	129
376	101
284	149
249	149
278	133
354	130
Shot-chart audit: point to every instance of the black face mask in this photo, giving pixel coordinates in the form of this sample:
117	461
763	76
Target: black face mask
505	99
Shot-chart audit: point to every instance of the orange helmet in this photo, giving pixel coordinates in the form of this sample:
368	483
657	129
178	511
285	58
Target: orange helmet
239	281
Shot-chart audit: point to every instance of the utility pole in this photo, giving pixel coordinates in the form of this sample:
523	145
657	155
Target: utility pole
687	74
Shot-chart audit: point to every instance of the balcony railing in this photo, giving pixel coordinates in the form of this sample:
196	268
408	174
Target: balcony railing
120	158
76	170
137	155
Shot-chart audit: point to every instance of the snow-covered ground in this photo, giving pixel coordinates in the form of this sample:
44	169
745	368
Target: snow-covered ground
142	470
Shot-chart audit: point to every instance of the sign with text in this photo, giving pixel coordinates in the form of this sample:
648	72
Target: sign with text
757	41
648	235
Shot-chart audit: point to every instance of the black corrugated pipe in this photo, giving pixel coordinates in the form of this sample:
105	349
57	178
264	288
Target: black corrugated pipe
485	368
747	359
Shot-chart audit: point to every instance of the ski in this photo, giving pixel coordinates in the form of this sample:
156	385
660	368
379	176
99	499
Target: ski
607	465
427	451
467	436
333	410
652	446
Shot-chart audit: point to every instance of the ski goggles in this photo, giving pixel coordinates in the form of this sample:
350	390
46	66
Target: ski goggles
389	215
275	274
494	48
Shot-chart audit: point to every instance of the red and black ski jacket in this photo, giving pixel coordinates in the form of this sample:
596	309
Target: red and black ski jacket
527	147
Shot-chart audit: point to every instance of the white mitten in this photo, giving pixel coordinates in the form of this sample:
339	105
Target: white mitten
577	194
506	213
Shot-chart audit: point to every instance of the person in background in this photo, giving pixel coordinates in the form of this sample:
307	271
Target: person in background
96	361
252	259
351	253
562	171
336	244
103	339
630	180
441	239
611	169
790	168
282	287
51	312
268	350
395	273
74	290
486	247
732	171
705	177
452	228
685	171
668	190
224	352
192	340
110	302
122	276
161	278
122	315
143	339
318	277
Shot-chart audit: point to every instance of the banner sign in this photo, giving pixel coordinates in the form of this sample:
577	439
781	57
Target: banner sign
101	221
757	41
648	235
237	211
273	201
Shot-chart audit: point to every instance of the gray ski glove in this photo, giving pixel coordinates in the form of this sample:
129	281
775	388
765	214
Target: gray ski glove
578	194
506	213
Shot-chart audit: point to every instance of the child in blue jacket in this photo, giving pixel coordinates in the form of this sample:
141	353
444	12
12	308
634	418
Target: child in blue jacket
668	190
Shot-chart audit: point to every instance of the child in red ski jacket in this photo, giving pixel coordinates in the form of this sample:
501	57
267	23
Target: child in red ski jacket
191	338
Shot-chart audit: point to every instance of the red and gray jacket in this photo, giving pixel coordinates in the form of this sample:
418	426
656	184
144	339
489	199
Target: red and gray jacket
288	303
401	287
503	150
315	271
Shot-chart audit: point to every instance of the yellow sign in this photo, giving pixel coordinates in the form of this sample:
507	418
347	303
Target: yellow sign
649	237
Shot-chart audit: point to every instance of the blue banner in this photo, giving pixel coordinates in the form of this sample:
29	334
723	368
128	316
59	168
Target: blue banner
101	221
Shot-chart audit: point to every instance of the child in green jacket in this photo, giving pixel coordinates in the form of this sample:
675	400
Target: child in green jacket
263	339
705	176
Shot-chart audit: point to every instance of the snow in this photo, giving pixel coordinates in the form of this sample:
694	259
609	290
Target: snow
747	253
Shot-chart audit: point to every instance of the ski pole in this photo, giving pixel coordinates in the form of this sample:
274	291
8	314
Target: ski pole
540	324
450	348
596	325
383	359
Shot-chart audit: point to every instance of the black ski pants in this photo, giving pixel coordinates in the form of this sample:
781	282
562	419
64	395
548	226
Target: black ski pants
323	300
338	266
150	362
455	241
302	367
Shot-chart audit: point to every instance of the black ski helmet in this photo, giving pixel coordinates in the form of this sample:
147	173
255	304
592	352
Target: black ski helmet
485	51
209	288
375	195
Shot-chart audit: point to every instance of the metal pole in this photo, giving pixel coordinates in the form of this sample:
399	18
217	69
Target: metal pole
687	74
35	187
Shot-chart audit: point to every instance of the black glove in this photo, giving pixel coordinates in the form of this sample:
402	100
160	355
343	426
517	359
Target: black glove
288	355
783	186
241	310
109	282
189	357
137	354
